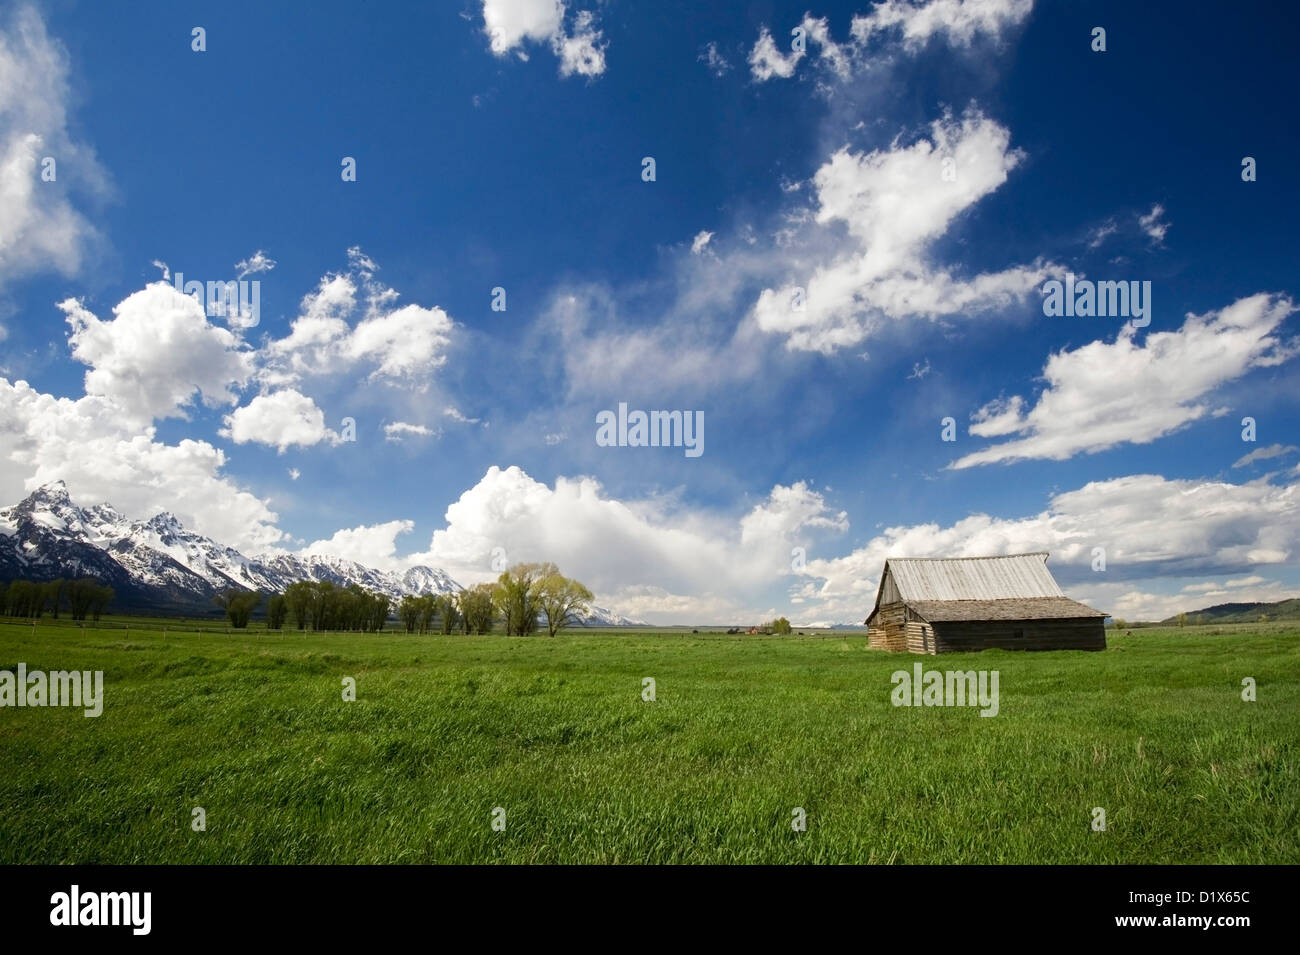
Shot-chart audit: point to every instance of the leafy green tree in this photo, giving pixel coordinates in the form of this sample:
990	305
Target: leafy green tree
277	609
418	613
477	611
30	600
345	608
101	597
377	607
81	596
298	596
562	600
448	615
515	596
54	594
238	605
39	599
780	625
322	605
21	598
430	608
408	611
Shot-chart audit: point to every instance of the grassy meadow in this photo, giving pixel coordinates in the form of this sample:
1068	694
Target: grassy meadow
253	728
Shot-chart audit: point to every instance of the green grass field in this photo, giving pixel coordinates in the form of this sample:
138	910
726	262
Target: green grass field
253	728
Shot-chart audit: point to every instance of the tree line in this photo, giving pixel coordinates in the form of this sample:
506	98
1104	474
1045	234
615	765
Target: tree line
313	604
522	597
27	599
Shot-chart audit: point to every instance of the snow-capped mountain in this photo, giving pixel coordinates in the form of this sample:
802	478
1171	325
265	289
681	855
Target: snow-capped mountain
600	617
160	563
278	571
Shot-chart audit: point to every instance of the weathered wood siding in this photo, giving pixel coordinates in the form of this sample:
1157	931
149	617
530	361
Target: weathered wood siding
886	631
889	589
1087	633
921	637
897	627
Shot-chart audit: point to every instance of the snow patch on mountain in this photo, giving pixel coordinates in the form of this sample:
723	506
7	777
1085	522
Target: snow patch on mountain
46	535
601	617
160	562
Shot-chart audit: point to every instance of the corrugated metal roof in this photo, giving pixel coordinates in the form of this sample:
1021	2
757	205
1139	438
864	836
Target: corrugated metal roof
1029	608
973	578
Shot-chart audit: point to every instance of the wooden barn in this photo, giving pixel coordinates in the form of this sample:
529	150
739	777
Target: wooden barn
942	605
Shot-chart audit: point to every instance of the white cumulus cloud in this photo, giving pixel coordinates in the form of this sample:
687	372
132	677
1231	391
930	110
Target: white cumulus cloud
282	420
373	545
349	321
611	544
157	354
1128	392
512	25
100	455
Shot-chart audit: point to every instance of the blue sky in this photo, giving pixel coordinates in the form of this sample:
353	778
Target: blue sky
500	144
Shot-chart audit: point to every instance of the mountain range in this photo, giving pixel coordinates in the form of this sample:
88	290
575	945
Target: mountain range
161	566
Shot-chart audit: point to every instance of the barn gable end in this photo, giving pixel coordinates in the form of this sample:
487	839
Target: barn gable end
937	605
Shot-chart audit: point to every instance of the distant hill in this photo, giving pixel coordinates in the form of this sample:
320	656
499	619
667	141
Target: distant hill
1245	613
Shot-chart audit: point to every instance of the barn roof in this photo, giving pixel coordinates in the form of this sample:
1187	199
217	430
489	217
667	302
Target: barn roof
1032	608
973	578
1011	587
